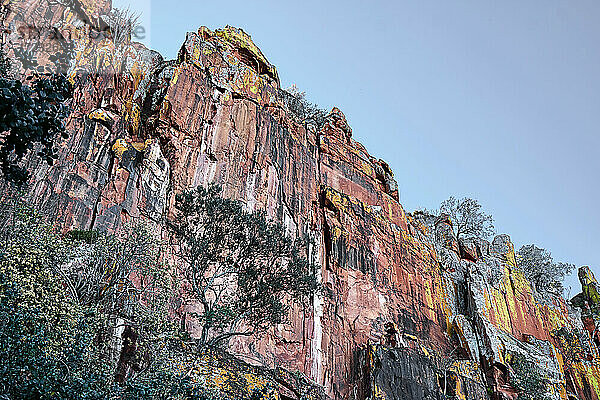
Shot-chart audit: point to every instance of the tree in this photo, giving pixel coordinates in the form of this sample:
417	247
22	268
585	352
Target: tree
237	266
122	23
30	114
527	379
468	219
305	110
541	270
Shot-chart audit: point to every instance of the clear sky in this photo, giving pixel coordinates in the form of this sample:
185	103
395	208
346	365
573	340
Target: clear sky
496	100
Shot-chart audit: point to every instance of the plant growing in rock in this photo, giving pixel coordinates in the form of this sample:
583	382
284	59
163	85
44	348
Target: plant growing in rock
238	267
541	270
46	339
468	218
306	111
527	380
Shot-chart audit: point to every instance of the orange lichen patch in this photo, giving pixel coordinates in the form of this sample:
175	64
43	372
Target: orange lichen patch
120	147
130	63
468	369
141	146
100	115
589	286
132	115
335	198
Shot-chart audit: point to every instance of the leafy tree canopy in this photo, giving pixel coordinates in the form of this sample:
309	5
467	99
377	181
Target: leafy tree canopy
305	110
541	270
527	379
30	114
63	302
468	218
239	266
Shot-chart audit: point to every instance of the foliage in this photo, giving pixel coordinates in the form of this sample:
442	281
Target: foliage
46	339
121	276
58	336
238	265
468	219
527	380
541	270
87	236
102	266
89	314
297	103
4	63
122	22
30	114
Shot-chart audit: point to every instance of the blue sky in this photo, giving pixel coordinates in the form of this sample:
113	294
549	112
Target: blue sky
499	101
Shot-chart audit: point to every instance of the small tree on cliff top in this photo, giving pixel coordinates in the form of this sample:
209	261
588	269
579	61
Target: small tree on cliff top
305	110
237	265
468	219
122	23
541	270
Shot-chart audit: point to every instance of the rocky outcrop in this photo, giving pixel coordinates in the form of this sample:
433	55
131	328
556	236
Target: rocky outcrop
411	312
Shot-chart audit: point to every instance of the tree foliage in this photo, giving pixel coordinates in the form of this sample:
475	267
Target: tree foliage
122	23
45	337
468	218
527	380
90	315
30	115
541	270
60	320
306	111
239	266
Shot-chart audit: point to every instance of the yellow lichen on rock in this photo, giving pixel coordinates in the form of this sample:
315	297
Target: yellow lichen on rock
240	39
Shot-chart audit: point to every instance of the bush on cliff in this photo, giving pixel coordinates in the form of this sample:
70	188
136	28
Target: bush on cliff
527	380
237	266
90	315
541	270
296	102
122	23
46	338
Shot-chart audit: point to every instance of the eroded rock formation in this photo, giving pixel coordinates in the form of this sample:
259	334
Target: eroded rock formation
412	313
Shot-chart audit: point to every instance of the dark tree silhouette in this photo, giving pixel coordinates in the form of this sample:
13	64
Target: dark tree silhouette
239	266
468	219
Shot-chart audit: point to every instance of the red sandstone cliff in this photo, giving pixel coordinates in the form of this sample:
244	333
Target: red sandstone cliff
412	312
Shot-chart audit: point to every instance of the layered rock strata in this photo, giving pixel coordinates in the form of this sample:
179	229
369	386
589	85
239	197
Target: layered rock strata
411	312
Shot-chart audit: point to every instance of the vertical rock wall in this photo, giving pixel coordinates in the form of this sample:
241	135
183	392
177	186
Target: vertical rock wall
412	313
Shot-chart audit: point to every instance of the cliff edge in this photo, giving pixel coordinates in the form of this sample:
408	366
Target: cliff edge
411	312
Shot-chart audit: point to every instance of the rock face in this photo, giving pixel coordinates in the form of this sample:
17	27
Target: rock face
413	313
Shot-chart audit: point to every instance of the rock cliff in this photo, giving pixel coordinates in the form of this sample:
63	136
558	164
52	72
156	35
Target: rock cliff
411	312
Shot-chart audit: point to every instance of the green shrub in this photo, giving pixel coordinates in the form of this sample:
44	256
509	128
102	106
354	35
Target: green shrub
527	379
